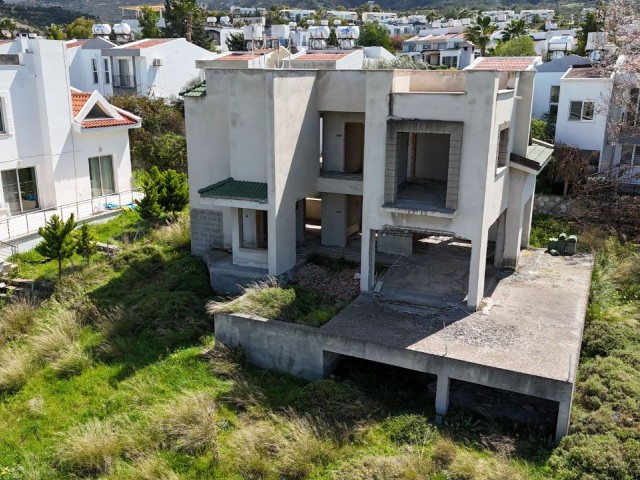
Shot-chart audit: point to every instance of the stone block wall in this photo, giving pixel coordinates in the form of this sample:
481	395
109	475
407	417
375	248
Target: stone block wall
206	230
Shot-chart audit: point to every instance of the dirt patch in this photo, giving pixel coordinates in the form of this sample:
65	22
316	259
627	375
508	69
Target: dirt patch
341	285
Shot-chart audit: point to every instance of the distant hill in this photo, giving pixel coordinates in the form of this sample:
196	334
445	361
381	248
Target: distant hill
39	16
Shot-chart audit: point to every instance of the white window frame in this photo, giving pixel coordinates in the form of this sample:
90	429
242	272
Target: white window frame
582	111
95	75
5	112
555	102
100	158
107	71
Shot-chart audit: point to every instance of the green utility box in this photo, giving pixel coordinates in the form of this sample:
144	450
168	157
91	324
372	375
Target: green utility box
553	244
562	243
572	244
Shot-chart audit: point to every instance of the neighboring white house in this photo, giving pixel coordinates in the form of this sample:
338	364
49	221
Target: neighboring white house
393	158
88	69
380	17
583	109
441	46
157	67
58	146
547	84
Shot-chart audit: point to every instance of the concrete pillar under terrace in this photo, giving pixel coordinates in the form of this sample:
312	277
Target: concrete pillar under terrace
513	225
527	215
368	260
442	397
562	425
477	269
499	254
334	220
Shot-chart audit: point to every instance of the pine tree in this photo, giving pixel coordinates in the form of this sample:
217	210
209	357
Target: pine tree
173	192
149	207
57	242
85	243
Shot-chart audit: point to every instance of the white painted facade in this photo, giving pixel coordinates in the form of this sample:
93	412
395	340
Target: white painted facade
46	141
157	68
266	127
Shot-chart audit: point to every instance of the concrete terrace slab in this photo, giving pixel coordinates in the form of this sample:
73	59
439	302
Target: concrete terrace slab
533	326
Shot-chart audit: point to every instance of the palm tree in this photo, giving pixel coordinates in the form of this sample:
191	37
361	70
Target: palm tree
480	33
516	28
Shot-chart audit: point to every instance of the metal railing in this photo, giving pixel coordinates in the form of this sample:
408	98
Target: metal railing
7	250
28	223
124	81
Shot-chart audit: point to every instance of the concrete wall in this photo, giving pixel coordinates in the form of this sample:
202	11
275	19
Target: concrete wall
544	82
81	70
206	230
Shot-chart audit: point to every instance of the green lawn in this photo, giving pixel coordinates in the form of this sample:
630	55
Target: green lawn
114	376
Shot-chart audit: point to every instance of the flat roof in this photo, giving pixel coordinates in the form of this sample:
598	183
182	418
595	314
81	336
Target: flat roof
321	56
533	326
586	71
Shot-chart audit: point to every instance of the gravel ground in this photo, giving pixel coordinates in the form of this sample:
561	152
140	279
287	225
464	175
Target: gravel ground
341	285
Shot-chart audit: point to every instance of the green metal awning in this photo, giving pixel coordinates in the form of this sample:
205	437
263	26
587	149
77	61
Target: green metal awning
236	190
197	90
538	155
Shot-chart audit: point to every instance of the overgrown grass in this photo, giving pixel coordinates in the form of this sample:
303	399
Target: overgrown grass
290	303
118	377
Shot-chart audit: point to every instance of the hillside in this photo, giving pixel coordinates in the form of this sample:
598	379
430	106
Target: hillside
39	16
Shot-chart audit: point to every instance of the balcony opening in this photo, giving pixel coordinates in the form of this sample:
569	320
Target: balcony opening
423	167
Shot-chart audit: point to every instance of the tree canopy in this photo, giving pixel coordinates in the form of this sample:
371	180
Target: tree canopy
515	29
149	23
57	241
80	28
480	33
185	18
516	47
374	35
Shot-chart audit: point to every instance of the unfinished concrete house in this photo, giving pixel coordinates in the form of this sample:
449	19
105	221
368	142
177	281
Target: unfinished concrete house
432	172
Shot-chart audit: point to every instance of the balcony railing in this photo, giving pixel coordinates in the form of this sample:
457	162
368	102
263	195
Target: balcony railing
24	224
124	81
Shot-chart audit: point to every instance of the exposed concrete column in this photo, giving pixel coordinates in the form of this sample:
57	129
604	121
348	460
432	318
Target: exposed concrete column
513	225
442	397
282	239
334	220
477	270
499	254
564	412
368	260
527	215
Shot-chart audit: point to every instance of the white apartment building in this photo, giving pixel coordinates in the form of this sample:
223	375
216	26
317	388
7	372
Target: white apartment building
157	67
380	17
58	146
387	152
442	46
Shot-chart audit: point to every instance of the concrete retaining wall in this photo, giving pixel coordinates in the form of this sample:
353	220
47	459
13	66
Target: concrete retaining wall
206	230
555	205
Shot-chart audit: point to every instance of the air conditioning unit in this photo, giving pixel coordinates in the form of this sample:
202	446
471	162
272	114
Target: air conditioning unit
157	62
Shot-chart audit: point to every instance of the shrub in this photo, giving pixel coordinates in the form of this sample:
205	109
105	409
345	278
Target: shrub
600	338
598	456
187	424
176	234
336	401
56	337
150	467
85	243
35	406
410	429
15	368
72	360
92	447
444	453
17	318
398	467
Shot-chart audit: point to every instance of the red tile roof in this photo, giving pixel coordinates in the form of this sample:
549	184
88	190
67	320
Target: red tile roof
150	42
321	56
79	99
76	43
2	42
508	64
